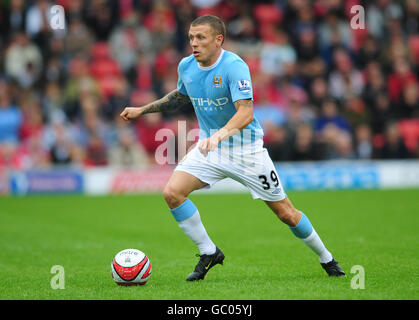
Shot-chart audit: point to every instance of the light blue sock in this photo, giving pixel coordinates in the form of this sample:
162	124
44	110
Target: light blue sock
305	231
304	228
189	220
184	211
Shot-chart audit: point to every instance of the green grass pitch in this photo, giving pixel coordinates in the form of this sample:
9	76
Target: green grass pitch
376	229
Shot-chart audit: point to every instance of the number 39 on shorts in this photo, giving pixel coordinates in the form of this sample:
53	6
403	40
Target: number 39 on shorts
267	181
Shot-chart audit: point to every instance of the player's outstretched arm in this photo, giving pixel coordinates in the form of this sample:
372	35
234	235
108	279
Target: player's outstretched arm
170	102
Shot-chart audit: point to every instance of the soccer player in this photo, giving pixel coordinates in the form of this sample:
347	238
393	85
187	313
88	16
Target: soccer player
218	85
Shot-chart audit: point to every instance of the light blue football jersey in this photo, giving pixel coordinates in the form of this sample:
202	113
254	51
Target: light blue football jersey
213	90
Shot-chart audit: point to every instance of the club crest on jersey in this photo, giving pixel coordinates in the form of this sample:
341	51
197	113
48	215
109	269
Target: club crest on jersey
244	85
217	82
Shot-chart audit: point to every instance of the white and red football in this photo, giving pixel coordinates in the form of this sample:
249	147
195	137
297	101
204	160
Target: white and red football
131	267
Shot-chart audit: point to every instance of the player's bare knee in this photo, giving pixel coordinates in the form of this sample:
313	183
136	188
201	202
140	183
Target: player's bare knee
169	195
173	197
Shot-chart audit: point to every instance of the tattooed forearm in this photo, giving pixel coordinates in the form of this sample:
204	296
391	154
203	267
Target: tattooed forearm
170	102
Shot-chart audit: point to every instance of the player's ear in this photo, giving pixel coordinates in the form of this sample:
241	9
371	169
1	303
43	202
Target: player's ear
219	39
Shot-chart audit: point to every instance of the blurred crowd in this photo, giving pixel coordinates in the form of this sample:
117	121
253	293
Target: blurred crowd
322	89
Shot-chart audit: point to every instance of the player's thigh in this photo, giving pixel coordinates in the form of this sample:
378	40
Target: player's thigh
181	184
205	169
261	178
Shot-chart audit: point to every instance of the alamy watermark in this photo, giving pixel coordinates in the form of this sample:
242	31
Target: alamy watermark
57	18
358	18
58	280
239	148
358	280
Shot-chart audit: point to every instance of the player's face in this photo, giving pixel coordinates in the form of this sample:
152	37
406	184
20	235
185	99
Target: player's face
205	44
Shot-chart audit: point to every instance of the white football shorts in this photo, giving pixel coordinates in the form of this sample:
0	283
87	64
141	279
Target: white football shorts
249	164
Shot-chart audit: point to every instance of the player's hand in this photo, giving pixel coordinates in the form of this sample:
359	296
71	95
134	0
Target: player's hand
208	144
130	113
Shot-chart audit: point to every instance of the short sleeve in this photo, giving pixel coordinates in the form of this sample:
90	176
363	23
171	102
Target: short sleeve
239	81
180	85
